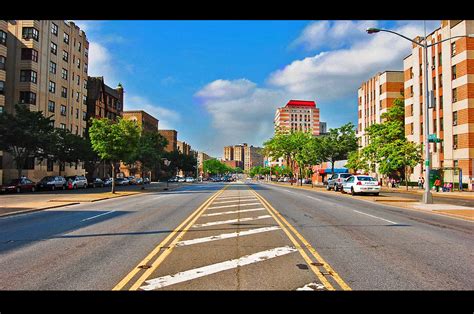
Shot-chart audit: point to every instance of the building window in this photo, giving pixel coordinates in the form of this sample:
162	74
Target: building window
51	106
433	61
77	130
86	52
421	69
441	125
80	46
77	113
411	128
65	56
85	84
66	38
64	92
54	48
78	96
28	76
456	163
434	82
3	61
84	115
29	163
455	141
29	54
78	80
440	80
453	72
434	126
455	94
411	72
52	87
28	98
30	32
441	102
49	165
411	91
78	63
421	89
64	74
63	110
440	62
455	118
453	49
85	68
52	67
3	38
84	99
2	89
380	89
54	29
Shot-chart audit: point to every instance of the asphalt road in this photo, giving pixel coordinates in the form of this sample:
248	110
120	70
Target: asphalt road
217	236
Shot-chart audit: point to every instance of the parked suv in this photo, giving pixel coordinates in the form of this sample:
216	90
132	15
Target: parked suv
336	180
52	183
75	182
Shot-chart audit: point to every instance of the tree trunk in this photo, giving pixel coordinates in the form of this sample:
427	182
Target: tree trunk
60	163
113	177
301	176
406	178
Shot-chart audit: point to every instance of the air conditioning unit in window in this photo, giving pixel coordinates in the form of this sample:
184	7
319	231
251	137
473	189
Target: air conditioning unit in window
455	99
455	123
455	146
433	67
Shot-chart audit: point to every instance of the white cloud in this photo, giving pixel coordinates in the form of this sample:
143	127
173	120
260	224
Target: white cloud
240	111
332	34
168	119
336	74
101	64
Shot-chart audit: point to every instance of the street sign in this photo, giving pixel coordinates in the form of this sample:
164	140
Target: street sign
433	139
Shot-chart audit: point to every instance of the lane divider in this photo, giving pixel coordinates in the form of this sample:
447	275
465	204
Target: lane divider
285	226
188	222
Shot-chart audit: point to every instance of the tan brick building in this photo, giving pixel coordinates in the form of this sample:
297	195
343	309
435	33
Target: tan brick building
239	152
253	157
183	147
172	137
451	78
229	153
375	96
3	75
46	70
299	115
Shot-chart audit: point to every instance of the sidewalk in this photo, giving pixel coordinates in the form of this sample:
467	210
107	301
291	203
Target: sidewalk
15	205
462	212
415	190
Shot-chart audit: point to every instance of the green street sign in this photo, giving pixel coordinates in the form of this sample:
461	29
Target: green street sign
427	162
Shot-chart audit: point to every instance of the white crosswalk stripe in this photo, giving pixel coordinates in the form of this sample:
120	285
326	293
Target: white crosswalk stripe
234	212
213	223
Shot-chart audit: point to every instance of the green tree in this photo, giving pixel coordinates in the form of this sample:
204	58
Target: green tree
150	150
356	161
114	141
336	145
26	134
65	147
215	167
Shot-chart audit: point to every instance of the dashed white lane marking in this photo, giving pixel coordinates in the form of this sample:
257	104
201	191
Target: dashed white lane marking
237	200
98	215
227	197
213	223
311	287
235	212
225	206
375	217
227	235
215	268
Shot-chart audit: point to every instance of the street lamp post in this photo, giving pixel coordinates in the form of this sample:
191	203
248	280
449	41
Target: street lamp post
427	196
167	163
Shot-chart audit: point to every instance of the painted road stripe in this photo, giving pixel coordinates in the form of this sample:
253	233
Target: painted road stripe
215	268
225	206
227	197
376	217
213	223
98	215
311	287
227	235
234	212
237	200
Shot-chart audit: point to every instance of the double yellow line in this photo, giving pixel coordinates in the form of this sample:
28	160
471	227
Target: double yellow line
290	231
178	234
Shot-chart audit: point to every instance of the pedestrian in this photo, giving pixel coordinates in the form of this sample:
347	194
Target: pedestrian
437	184
420	184
393	182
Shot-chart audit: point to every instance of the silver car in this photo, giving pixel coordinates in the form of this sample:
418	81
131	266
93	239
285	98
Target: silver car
52	183
336	180
75	182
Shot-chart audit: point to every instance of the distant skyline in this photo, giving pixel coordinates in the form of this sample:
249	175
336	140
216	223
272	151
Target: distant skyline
218	83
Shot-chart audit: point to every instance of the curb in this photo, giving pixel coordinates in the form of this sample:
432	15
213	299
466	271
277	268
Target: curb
35	210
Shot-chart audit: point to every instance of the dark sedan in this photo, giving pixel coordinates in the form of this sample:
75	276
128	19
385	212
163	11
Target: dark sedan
19	185
95	182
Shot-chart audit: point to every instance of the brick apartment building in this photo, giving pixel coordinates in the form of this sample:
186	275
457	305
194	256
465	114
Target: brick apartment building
301	115
46	70
172	137
451	78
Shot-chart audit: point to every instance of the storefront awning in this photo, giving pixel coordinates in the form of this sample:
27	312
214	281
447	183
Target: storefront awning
336	170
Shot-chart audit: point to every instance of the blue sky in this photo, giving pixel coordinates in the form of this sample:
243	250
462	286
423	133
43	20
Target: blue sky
219	82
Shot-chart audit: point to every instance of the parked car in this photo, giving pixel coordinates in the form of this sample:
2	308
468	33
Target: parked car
19	185
138	181
336	180
361	184
122	181
181	179
190	179
173	179
74	182
132	180
95	182
107	181
146	180
52	183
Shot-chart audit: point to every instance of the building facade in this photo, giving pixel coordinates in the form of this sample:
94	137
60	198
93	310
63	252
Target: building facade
201	158
375	96
252	157
301	115
147	123
46	70
451	113
102	100
229	153
172	137
3	76
239	152
183	147
233	163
